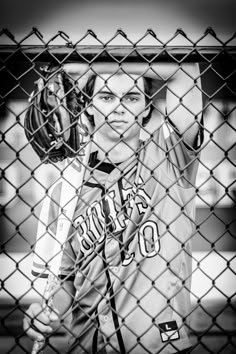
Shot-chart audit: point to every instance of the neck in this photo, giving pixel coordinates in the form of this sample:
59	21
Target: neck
117	152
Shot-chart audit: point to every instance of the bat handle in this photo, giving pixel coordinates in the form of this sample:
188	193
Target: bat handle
52	284
39	344
38	347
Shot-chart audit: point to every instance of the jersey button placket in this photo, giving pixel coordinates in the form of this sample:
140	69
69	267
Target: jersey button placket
115	269
105	318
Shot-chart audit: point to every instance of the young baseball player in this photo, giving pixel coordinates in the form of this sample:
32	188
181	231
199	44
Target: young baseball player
126	266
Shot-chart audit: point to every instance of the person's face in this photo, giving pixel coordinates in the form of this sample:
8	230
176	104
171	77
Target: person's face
118	106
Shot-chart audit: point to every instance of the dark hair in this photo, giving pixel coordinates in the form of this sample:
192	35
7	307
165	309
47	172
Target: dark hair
88	92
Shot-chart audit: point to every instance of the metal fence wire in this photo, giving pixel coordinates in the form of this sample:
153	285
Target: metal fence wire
148	272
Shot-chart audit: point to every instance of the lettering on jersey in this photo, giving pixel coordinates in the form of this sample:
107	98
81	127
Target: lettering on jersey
90	228
136	195
118	221
108	214
149	239
148	235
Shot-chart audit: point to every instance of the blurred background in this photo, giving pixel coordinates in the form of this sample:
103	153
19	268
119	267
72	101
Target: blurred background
214	246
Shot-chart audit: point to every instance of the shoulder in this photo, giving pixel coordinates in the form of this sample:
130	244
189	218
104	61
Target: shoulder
167	152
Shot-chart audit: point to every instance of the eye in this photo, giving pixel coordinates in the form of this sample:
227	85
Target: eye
131	99
107	98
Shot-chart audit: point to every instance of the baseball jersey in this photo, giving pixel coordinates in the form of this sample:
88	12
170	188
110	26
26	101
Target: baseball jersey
129	250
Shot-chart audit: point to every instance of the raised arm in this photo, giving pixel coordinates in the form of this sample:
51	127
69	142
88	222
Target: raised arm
184	98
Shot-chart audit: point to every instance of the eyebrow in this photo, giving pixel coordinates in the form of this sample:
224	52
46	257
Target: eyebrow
136	93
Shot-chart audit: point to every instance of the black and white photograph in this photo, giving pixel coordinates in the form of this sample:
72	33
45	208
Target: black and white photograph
118	177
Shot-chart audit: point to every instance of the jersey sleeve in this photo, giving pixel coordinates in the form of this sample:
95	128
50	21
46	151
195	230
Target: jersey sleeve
46	238
181	158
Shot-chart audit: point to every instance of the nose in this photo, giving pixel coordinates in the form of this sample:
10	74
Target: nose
119	108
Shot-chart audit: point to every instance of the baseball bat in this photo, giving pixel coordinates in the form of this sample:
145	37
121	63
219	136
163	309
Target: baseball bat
72	181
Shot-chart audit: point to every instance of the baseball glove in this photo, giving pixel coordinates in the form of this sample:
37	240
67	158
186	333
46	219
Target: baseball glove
51	122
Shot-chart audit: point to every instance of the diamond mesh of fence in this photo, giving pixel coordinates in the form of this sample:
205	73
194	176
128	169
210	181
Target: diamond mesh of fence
118	186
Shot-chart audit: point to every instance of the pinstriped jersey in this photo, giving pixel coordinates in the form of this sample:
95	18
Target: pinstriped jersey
129	250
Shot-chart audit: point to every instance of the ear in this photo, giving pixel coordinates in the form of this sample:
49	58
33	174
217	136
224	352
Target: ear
89	109
146	112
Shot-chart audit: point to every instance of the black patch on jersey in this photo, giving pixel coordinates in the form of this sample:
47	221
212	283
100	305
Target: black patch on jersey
169	331
100	165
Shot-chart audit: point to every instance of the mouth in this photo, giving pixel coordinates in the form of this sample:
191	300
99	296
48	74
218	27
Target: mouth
117	122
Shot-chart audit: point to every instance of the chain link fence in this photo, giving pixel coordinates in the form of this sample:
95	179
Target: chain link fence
25	180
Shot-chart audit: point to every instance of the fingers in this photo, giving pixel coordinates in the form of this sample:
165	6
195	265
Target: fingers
54	316
37	323
34	335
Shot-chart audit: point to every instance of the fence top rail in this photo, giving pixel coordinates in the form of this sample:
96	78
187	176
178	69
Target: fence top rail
116	53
